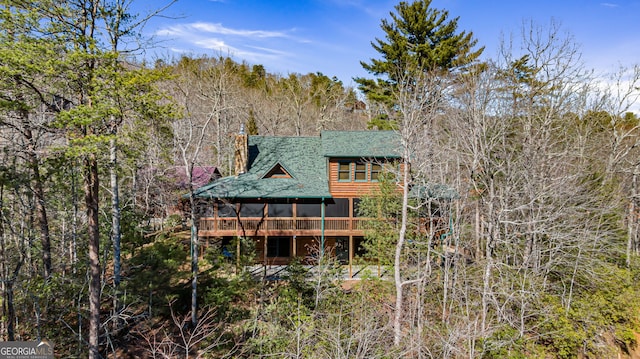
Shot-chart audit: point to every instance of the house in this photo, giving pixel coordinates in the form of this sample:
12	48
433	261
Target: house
158	187
200	176
179	179
292	194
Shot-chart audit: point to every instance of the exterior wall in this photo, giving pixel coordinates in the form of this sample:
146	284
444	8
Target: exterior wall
351	188
340	189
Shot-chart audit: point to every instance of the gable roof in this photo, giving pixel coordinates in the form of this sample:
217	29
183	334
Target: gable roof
299	156
361	144
277	171
304	159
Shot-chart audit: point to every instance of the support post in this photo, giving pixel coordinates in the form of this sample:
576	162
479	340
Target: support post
322	230
350	257
264	250
295	246
239	239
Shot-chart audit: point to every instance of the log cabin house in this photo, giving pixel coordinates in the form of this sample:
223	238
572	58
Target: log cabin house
292	194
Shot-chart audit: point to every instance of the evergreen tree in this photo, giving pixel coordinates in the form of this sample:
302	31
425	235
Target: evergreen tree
417	38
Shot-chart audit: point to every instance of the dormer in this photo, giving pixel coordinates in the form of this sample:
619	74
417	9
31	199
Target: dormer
277	171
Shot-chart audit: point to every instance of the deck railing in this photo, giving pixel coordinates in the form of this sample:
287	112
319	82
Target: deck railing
232	226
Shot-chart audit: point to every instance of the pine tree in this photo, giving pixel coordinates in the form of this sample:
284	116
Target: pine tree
418	38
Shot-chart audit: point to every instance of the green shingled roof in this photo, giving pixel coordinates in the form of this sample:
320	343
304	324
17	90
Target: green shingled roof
368	144
305	159
299	156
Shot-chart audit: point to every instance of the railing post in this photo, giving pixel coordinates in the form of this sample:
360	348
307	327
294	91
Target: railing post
350	215
294	210
215	217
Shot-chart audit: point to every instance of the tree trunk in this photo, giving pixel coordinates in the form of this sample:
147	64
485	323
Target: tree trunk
632	220
8	304
38	191
74	221
397	319
10	311
43	222
194	260
488	255
194	248
91	202
115	224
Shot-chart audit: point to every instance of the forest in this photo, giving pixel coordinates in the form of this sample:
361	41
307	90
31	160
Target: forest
100	148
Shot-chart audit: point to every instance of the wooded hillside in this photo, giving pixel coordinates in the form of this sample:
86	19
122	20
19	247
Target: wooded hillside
541	259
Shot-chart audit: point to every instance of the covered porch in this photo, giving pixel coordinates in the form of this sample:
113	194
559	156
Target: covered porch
283	226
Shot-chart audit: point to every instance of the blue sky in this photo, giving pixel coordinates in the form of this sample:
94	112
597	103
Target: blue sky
333	36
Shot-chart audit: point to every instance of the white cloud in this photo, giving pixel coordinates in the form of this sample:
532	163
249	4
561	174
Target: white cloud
214	44
177	50
241	43
608	4
217	28
271	51
277	50
171	31
198	28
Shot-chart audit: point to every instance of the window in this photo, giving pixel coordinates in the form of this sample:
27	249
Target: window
308	210
360	173
280	210
339	208
251	210
278	247
344	171
226	210
376	169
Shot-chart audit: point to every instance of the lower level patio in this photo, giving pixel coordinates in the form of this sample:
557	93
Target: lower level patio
340	272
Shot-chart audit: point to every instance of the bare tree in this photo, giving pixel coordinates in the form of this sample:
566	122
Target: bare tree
418	98
523	150
203	107
178	339
120	28
621	94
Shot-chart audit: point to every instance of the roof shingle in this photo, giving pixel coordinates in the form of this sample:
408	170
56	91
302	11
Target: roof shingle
299	156
304	158
367	144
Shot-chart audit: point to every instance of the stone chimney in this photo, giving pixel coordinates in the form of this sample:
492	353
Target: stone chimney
241	152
